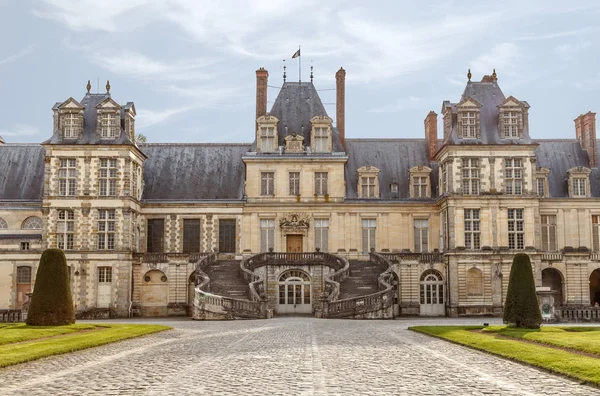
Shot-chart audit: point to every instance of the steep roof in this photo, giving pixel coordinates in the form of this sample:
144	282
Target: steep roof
194	171
21	172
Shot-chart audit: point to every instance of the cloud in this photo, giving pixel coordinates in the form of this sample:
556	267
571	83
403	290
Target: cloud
20	130
147	118
502	57
566	33
24	52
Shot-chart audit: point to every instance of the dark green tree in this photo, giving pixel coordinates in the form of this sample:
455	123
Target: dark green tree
51	302
521	308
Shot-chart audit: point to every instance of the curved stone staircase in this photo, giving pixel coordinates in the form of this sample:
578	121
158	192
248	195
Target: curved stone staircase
362	279
227	280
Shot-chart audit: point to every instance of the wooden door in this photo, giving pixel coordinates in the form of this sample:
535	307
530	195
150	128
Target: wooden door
294	243
226	236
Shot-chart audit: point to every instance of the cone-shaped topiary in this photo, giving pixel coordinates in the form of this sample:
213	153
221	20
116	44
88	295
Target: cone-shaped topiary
51	302
521	308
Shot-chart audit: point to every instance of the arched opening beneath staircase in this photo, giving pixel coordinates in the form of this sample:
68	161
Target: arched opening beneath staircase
432	293
294	293
154	293
552	278
595	287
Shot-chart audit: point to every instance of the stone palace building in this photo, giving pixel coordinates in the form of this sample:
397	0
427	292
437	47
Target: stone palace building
432	222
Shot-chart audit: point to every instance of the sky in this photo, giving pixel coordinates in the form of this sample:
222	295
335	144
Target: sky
189	65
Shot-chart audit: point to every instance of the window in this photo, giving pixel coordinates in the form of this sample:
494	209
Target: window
267	235
294	178
596	232
579	187
67	177
472	229
71	123
23	283
420	186
65	229
541	186
322	235
155	237
191	235
267	183
106	229
513	175
474	282
511	124
469	124
444	178
516	229
24	245
109	126
421	228
432	288
108	177
368	235
394	189
267	136
470	176
321	140
548	233
321	183
104	274
135	190
3	224
367	187
227	236
32	223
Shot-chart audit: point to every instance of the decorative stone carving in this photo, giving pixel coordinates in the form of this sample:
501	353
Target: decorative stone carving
294	143
294	223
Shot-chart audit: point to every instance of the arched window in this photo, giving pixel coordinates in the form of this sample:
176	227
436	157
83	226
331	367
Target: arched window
32	223
3	224
474	282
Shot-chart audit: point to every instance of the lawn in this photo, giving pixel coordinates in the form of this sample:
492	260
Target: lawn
506	342
21	343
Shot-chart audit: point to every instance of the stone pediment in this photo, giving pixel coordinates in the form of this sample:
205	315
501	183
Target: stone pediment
294	143
294	223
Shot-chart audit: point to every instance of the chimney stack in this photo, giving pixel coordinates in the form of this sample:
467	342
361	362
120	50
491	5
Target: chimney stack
261	92
585	131
340	104
431	134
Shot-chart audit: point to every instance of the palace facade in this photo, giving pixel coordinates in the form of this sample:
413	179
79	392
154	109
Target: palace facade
448	211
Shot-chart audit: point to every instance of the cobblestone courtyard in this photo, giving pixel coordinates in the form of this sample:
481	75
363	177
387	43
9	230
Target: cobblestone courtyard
292	356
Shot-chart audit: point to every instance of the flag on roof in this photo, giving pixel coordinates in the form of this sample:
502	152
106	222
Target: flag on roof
297	54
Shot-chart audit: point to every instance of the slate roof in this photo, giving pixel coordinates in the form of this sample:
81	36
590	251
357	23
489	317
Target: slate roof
194	171
21	172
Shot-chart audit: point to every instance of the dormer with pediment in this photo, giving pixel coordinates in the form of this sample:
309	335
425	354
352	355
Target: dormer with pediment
468	118
266	134
109	119
368	181
420	181
513	118
68	119
320	134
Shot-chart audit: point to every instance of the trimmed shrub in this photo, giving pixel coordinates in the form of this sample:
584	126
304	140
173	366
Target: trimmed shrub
521	308
51	302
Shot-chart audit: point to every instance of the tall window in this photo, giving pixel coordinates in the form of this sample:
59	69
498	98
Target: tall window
548	233
596	232
444	178
367	187
155	237
474	282
71	125
65	229
106	229
470	176
420	186
23	283
108	177
579	187
191	235
322	235
294	178
469	124
541	186
267	136
511	124
67	177
321	139
267	183
513	176
472	229
267	235
110	127
368	235
421	228
104	274
516	229
321	183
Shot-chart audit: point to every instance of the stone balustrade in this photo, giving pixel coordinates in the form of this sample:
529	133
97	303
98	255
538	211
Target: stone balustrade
578	314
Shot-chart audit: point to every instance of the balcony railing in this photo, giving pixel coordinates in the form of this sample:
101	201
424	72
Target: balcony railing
427	258
162	257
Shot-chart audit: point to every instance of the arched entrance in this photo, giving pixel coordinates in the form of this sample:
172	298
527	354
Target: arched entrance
154	294
595	287
294	293
552	278
432	294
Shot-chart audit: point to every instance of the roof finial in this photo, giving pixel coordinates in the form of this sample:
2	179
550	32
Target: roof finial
494	75
469	75
88	86
311	71
284	67
107	86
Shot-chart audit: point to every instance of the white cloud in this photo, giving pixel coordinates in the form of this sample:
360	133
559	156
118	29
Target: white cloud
550	36
17	56
502	57
20	130
147	118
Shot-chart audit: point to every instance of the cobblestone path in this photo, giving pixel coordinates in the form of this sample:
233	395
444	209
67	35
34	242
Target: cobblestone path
284	356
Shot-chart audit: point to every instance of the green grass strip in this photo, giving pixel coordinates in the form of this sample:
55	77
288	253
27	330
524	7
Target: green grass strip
573	365
19	332
103	334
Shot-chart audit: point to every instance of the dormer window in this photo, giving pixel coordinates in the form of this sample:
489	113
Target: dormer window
266	134
394	190
71	125
321	134
511	124
368	182
420	187
579	182
267	137
541	182
321	138
469	124
109	125
512	114
68	119
579	186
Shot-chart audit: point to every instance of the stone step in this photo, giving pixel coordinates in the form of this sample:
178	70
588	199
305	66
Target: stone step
362	279
226	279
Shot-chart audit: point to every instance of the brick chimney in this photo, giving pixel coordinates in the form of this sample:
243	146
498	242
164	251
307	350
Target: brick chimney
340	104
431	134
585	130
262	76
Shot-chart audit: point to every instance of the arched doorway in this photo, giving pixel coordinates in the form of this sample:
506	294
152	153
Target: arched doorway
294	293
154	293
432	293
552	278
595	287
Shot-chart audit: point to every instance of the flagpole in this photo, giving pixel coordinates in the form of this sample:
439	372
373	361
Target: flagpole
299	65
